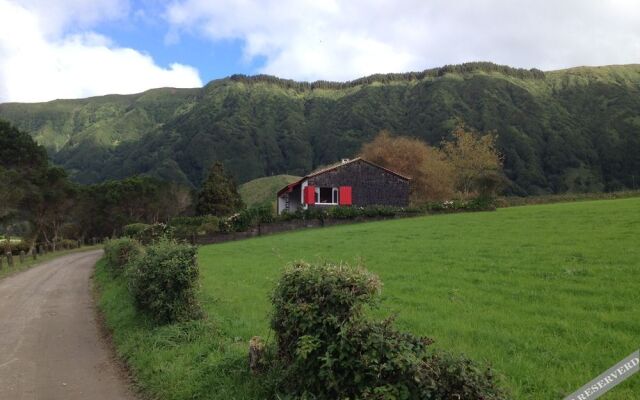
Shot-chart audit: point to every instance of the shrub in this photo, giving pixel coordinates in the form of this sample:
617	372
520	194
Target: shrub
447	376
482	203
154	233
67	244
14	247
316	300
120	252
164	282
133	230
246	219
188	227
368	359
344	212
328	349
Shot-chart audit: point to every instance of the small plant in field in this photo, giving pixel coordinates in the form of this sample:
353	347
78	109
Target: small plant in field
164	282
120	252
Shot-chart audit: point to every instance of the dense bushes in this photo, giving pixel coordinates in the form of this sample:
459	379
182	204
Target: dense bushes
164	282
321	213
14	247
247	219
189	227
162	277
328	349
133	230
120	252
154	233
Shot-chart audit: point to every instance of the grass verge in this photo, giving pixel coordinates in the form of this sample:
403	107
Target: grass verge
194	360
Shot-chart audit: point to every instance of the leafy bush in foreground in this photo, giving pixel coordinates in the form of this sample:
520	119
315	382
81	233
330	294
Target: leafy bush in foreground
120	252
164	282
316	300
328	349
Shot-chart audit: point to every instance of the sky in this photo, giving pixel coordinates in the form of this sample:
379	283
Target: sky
52	49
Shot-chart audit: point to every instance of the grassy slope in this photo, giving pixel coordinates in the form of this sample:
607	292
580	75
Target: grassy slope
263	191
548	294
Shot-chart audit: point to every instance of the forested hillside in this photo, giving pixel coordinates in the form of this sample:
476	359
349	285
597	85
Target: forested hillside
568	130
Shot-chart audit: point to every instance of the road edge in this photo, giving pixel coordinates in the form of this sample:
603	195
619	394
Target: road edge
123	369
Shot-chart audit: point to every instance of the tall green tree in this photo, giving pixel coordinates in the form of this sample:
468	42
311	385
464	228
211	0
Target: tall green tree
219	194
49	203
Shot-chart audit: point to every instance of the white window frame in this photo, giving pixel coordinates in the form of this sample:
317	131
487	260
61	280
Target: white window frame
335	195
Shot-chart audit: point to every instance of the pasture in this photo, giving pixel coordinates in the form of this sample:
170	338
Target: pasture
549	295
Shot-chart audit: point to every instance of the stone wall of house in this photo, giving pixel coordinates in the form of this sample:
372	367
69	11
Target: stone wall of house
370	185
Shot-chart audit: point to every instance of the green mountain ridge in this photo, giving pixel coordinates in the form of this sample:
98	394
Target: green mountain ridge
570	130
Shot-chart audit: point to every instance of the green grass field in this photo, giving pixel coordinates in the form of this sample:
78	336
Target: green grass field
549	295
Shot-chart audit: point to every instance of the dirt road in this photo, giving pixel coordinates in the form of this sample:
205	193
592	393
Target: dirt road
50	344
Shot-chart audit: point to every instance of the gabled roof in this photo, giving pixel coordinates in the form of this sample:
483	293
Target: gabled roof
290	186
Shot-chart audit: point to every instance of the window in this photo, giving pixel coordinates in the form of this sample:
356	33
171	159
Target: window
327	195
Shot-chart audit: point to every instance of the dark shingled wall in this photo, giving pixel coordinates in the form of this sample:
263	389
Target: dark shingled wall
371	185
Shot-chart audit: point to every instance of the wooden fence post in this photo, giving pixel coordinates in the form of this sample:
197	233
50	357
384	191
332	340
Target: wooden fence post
0	261
256	355
21	256
9	259
34	253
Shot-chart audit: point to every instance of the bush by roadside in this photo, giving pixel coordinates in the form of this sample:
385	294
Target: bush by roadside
164	281
120	252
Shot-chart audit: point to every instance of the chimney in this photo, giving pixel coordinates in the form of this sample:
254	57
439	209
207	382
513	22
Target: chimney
345	160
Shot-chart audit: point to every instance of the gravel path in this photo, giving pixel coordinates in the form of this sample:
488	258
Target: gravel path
50	343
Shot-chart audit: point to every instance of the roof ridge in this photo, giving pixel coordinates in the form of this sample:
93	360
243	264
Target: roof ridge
338	165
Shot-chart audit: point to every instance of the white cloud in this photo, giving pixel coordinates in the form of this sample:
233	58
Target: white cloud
332	39
40	60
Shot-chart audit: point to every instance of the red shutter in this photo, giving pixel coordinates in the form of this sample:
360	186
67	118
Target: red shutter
310	195
345	195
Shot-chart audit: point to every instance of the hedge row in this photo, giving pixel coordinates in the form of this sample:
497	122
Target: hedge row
252	217
162	277
17	247
190	227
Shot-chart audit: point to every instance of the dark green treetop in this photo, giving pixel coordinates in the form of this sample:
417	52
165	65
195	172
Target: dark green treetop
219	194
